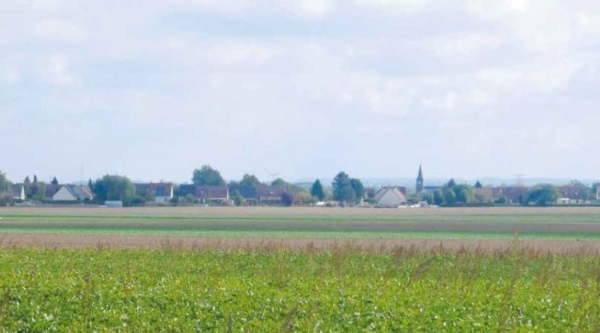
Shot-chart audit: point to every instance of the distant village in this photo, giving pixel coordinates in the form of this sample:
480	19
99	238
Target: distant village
209	189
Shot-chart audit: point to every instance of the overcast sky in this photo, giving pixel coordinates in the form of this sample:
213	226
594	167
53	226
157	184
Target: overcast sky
152	89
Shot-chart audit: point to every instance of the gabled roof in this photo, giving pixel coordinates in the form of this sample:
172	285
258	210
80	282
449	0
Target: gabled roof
157	189
212	192
267	192
395	192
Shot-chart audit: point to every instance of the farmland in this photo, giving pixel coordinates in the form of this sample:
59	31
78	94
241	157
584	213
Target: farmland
268	269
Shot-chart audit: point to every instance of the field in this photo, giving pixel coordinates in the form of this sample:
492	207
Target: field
330	270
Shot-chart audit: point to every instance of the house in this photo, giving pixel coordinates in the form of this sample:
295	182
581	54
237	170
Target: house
576	193
208	194
73	193
205	193
18	192
391	197
269	194
513	194
162	192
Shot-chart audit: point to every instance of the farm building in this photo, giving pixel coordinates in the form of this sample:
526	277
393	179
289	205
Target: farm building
390	197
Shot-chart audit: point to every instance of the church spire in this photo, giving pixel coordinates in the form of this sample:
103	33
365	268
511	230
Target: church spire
420	180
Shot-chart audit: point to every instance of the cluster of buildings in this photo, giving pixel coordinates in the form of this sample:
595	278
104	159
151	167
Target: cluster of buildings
395	196
391	196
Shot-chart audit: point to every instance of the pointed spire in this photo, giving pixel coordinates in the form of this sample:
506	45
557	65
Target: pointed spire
420	176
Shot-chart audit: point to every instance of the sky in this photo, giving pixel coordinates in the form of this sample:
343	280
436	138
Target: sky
152	89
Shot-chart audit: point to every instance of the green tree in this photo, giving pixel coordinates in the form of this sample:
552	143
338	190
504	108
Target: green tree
54	181
317	190
438	197
464	194
38	191
114	188
359	189
238	198
342	188
278	182
449	196
585	191
207	176
4	183
543	194
35	180
249	181
478	185
27	187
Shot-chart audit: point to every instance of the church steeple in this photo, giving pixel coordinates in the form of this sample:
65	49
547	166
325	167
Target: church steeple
420	180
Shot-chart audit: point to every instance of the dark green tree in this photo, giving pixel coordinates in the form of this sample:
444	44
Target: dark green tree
438	197
342	188
114	188
278	182
464	194
317	190
449	196
207	176
451	183
543	194
478	185
35	180
359	189
249	181
4	184
54	181
27	187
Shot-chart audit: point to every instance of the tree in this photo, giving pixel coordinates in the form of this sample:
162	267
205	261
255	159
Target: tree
27	187
464	194
249	181
237	198
438	197
54	181
449	196
342	188
278	182
4	183
38	191
287	199
207	176
478	185
90	184
451	183
359	189
543	194
35	180
114	188
585	191
317	190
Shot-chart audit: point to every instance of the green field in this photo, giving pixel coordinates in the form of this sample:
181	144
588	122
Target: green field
273	290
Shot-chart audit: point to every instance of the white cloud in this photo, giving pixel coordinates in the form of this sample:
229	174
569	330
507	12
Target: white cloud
56	70
240	53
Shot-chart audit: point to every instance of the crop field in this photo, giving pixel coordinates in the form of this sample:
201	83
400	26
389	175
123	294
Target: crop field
299	269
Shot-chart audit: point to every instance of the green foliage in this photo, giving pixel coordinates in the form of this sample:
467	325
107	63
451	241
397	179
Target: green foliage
54	181
278	182
269	291
359	189
207	176
543	194
4	183
249	181
114	188
478	185
342	188
449	196
438	197
317	190
38	191
238	198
